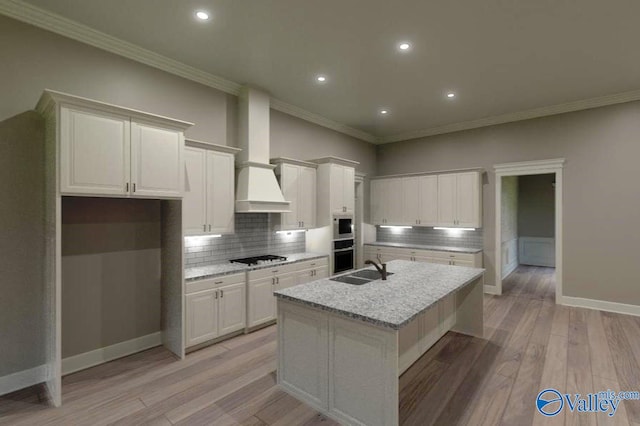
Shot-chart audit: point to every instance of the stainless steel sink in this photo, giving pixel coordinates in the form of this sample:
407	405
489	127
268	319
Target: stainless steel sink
369	274
360	277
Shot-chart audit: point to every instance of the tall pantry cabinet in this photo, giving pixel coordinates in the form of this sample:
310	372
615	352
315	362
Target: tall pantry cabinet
95	149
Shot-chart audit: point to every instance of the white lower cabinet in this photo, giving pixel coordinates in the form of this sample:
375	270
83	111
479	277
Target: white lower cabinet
386	254
215	307
263	282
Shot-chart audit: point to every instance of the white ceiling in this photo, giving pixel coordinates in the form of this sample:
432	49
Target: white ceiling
499	56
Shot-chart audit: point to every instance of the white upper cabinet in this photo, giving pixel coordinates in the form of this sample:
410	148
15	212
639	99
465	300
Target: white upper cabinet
459	200
209	198
447	200
94	152
469	200
220	192
194	202
342	189
386	199
106	150
452	199
156	161
298	184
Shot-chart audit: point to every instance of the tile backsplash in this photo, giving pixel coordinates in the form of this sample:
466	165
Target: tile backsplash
254	236
431	237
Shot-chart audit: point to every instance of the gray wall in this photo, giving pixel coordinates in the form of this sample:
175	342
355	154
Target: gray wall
34	60
601	196
536	212
110	271
21	243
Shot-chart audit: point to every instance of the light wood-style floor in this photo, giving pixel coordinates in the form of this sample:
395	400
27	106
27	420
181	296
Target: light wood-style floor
530	344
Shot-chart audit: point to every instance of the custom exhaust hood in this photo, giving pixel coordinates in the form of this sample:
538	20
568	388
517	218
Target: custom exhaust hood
257	188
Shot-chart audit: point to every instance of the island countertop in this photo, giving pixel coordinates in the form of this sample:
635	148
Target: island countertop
412	289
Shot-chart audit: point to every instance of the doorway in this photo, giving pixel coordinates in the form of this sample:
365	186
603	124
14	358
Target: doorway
527	232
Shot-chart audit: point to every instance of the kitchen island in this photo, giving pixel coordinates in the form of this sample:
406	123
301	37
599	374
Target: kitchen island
342	347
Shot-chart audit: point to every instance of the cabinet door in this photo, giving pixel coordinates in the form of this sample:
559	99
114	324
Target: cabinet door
349	193
410	201
393	197
220	192
428	196
261	301
446	200
156	161
321	273
337	189
468	211
194	203
231	308
94	152
289	182
202	316
307	197
377	201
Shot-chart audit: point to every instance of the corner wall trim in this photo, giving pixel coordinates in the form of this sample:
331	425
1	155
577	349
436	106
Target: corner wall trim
109	353
492	289
601	305
23	379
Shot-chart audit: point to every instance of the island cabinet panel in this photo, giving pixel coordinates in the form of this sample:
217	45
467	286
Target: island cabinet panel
303	369
363	362
418	336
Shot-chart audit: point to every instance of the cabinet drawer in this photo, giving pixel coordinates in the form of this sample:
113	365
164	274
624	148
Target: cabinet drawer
312	264
209	283
452	256
269	272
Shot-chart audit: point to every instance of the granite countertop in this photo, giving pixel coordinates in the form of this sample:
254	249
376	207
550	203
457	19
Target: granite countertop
425	247
412	289
227	268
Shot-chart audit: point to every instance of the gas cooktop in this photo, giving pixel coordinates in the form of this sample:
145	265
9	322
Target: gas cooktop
259	260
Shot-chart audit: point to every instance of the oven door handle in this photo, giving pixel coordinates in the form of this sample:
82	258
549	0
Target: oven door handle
342	250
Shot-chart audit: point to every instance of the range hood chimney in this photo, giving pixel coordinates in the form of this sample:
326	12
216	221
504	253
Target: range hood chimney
258	190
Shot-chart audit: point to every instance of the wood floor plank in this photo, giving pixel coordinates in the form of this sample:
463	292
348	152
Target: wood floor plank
627	369
521	405
554	376
489	408
579	381
620	417
601	360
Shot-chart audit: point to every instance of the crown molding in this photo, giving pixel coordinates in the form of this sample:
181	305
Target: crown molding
320	120
55	23
583	104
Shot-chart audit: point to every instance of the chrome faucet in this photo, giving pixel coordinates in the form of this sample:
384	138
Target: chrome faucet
382	268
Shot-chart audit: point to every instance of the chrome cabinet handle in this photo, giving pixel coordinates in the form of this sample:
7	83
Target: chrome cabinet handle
277	280
216	294
134	187
218	282
209	228
127	187
204	228
221	294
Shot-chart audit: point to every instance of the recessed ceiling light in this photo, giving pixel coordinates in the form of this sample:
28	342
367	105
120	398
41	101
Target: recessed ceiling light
202	15
321	79
384	111
404	46
451	95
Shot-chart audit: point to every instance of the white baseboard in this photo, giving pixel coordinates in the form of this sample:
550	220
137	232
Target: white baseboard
601	305
509	269
492	289
109	353
23	379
